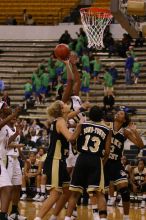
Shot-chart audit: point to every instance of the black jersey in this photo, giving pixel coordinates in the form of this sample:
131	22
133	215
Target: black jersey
33	167
58	146
92	138
117	144
139	177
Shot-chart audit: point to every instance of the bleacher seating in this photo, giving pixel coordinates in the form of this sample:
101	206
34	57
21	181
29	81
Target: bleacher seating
43	11
20	59
134	153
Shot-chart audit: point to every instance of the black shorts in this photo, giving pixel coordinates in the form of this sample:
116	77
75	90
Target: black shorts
56	172
115	172
88	174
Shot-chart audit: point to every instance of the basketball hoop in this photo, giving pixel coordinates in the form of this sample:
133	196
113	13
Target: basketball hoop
94	21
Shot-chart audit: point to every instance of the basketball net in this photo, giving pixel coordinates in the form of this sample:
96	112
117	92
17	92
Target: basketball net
94	21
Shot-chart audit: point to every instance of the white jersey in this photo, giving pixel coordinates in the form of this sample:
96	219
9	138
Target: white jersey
75	105
4	138
76	102
14	151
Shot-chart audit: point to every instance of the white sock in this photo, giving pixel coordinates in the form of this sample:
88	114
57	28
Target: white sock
103	218
53	217
67	218
38	190
37	218
24	189
126	217
43	188
94	206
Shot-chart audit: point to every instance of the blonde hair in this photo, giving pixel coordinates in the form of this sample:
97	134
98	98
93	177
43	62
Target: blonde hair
55	109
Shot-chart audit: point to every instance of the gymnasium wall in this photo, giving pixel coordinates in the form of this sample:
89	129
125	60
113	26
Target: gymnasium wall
47	32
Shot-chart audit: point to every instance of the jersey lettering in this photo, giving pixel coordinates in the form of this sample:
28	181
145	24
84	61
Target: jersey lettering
96	142
113	156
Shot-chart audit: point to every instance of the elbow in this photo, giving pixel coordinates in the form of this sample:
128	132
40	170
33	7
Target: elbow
141	145
71	139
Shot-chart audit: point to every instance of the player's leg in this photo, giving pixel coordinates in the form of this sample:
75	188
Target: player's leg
101	201
143	191
5	198
5	192
72	204
38	183
125	194
61	203
94	206
48	203
43	188
14	171
77	185
23	187
112	198
64	181
96	185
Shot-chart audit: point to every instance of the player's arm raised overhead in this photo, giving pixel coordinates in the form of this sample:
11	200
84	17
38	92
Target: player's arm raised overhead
77	79
107	146
70	80
132	134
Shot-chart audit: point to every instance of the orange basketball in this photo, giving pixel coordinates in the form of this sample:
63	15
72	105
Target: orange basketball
62	51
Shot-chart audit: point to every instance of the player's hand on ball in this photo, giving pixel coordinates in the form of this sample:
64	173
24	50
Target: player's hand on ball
73	58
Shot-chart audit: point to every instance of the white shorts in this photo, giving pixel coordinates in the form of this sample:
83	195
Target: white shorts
14	171
71	160
4	176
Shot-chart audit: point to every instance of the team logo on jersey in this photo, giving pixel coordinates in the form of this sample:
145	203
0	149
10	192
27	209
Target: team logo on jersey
122	173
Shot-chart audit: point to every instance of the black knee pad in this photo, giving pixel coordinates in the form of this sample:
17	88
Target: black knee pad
125	194
102	212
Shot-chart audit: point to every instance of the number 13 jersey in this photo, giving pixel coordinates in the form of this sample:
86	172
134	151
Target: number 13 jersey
92	138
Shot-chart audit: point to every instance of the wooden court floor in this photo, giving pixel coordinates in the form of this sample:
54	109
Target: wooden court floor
30	209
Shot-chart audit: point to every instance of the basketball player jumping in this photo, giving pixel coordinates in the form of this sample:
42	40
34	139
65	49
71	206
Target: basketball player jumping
93	139
114	170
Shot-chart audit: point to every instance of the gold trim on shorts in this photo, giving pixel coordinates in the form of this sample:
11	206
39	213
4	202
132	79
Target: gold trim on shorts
76	189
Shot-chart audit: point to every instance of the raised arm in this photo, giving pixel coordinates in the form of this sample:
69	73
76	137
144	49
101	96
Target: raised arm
70	80
132	134
77	79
